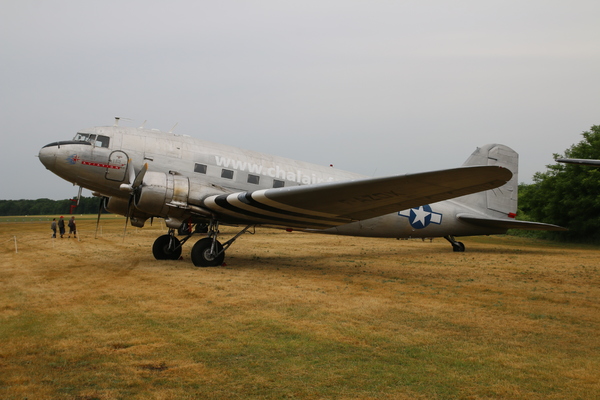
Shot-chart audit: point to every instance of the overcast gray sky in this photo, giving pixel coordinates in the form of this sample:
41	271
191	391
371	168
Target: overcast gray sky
375	87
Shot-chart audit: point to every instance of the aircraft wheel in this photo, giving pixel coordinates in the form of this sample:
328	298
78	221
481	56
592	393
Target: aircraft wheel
202	255
458	247
162	251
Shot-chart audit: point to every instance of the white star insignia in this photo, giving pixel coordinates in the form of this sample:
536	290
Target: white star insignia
420	215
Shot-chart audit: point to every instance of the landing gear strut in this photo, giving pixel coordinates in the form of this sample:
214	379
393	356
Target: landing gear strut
209	252
456	246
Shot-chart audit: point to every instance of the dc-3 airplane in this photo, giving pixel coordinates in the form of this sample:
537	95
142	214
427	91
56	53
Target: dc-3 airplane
142	173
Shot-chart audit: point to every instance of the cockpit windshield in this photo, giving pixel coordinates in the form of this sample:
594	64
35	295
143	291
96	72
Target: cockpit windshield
96	140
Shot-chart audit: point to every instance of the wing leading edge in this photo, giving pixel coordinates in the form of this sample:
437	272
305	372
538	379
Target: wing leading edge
332	204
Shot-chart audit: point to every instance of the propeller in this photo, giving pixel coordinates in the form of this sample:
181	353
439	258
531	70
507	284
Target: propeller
135	182
99	213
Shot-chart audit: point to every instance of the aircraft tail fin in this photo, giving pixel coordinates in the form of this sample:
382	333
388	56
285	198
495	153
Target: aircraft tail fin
502	201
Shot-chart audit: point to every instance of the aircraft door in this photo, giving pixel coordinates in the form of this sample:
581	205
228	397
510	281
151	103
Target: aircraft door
116	169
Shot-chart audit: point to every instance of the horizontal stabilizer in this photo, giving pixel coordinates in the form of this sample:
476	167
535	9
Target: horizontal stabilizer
502	223
580	161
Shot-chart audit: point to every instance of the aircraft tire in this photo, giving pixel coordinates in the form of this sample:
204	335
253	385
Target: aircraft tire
459	247
161	251
201	256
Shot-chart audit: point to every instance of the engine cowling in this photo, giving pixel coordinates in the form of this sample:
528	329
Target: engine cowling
168	196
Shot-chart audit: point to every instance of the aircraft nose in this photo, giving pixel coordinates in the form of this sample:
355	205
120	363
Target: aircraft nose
47	155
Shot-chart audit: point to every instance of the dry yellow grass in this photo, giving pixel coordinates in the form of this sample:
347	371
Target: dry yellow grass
296	315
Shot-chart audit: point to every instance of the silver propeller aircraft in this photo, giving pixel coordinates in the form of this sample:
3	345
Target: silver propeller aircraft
196	185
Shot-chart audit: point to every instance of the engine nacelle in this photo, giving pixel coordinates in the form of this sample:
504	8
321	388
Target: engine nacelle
168	196
119	206
159	189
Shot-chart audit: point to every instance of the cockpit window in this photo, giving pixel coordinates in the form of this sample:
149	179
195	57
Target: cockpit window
82	137
102	141
96	140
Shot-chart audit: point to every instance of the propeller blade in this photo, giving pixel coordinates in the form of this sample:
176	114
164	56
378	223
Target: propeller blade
98	220
140	177
127	216
130	171
135	182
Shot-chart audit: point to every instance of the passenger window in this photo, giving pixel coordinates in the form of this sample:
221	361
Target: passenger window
277	183
227	174
200	168
255	179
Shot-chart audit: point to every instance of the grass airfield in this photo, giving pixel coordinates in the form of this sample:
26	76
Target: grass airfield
294	315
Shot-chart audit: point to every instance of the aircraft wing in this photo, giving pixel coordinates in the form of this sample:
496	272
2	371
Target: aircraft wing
502	223
581	161
331	204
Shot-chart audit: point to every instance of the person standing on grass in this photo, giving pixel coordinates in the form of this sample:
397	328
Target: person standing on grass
72	228
53	227
61	226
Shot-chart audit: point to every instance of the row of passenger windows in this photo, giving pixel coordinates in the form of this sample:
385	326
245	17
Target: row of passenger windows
228	174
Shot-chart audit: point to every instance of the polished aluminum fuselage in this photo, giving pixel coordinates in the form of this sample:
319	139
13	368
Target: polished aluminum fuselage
106	168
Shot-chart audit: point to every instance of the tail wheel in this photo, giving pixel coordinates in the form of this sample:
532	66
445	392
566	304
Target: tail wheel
166	247
458	247
203	255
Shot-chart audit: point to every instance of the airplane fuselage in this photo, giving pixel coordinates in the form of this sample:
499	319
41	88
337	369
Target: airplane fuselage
102	165
102	159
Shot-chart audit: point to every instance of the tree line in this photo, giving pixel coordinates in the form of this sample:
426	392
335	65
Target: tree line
87	205
567	194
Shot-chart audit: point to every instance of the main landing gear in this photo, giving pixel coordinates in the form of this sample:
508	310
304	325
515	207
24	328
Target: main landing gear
456	246
207	252
167	247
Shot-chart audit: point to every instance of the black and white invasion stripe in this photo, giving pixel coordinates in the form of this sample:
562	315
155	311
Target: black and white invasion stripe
257	207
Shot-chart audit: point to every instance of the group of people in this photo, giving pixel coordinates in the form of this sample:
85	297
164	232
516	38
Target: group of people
61	227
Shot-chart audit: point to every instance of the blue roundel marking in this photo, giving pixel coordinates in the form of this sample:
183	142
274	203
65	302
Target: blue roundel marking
421	216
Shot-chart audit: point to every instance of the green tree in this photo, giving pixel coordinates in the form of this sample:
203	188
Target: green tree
87	205
568	194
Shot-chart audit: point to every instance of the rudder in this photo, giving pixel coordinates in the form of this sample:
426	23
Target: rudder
501	201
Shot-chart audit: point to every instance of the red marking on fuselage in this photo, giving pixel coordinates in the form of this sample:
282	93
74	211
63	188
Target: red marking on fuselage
95	164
